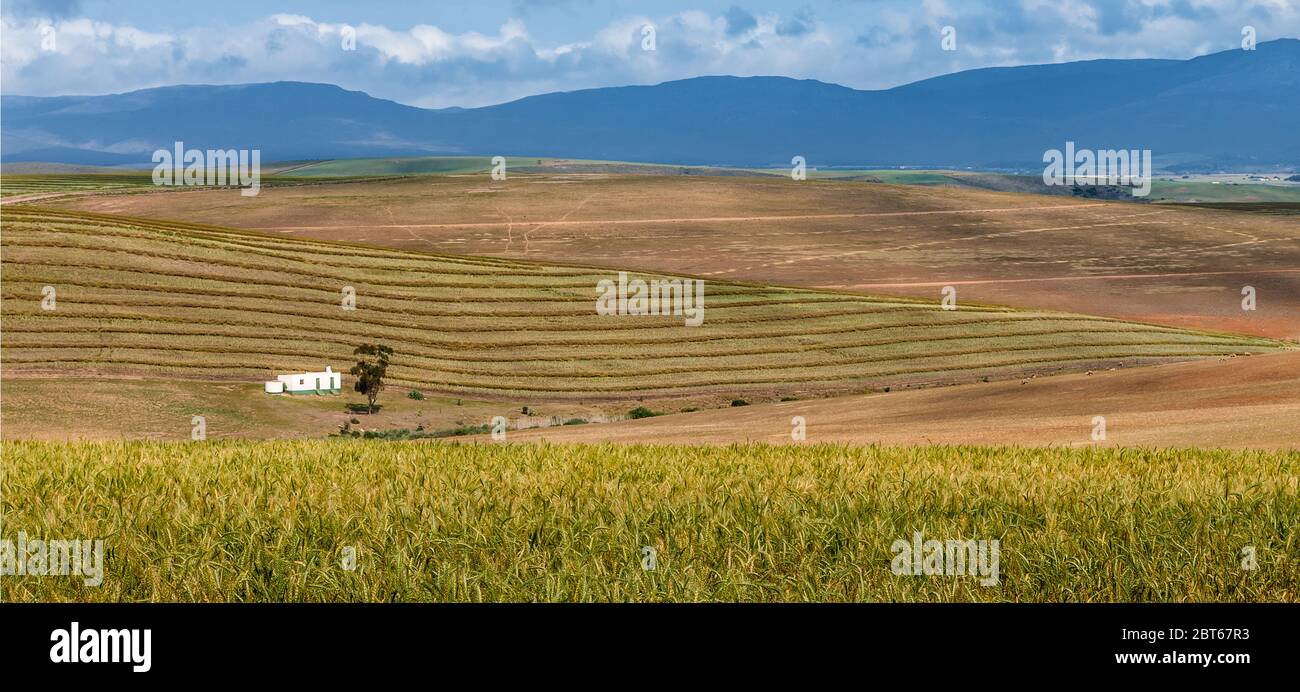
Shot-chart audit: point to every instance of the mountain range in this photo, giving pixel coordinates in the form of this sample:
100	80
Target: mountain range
1235	108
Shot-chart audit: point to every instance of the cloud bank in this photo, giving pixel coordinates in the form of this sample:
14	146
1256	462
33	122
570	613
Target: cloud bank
48	49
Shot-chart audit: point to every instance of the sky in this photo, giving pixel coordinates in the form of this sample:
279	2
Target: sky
439	53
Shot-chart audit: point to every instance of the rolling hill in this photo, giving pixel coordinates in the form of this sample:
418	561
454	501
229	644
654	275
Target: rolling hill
1233	108
175	300
1161	264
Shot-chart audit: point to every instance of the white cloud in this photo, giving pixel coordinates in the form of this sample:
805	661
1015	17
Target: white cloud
431	66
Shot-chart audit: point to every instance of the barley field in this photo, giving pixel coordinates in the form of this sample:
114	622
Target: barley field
149	298
271	521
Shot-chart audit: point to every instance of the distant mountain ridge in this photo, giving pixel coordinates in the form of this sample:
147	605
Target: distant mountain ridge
1233	108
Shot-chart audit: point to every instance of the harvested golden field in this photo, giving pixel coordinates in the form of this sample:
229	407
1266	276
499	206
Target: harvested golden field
1154	263
349	520
177	300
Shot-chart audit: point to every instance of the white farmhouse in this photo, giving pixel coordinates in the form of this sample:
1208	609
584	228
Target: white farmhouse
328	382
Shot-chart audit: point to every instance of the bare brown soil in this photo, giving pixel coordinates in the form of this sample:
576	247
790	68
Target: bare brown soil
1239	402
1164	264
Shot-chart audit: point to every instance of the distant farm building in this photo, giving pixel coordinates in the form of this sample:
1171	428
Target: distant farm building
327	382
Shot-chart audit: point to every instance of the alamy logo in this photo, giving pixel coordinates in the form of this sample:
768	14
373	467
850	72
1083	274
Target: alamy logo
213	167
950	558
1104	167
56	558
75	645
655	297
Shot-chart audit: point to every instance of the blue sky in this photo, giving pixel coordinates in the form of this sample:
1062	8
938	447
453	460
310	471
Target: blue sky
488	51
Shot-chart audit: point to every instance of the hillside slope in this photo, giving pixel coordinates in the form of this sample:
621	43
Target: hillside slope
171	300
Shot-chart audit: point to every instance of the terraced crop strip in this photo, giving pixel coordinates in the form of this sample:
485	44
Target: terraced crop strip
58	183
182	300
12	185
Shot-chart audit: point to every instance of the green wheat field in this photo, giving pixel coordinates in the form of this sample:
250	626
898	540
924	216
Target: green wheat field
271	521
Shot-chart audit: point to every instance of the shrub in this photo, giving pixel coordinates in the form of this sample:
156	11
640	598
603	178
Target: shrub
739	402
415	394
642	412
463	430
417	434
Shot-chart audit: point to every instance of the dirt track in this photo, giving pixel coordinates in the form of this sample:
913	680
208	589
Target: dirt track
678	220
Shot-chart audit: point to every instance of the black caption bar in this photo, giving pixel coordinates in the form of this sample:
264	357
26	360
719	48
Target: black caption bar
335	642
